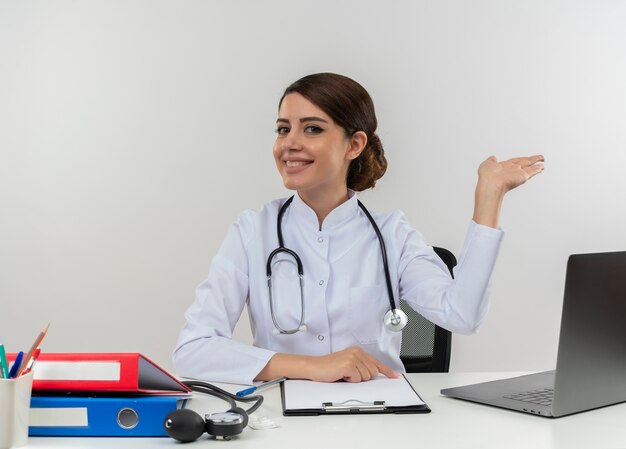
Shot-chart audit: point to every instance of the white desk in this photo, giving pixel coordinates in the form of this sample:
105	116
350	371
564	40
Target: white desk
451	424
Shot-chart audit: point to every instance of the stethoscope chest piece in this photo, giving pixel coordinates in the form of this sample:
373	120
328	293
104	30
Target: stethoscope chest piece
395	320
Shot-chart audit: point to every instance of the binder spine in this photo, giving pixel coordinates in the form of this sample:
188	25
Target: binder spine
100	417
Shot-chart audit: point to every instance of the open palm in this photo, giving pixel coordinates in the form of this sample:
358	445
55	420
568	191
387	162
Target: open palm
511	173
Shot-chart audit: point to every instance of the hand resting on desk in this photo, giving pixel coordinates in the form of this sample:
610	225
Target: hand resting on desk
352	365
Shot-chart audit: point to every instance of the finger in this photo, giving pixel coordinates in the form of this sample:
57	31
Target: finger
533	170
364	370
526	161
354	375
384	369
531	160
372	368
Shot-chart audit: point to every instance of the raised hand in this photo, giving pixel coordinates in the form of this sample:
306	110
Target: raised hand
495	179
507	175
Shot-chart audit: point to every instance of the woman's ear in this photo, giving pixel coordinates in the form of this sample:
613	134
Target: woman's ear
358	141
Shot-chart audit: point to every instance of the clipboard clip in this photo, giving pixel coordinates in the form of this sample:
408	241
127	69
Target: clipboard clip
354	406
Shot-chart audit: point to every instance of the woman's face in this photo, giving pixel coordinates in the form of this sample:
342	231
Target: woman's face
312	152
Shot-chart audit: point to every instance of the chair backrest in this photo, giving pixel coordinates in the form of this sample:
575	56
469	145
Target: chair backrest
425	346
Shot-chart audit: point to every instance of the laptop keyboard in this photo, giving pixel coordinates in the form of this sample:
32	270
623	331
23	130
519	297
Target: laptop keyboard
542	396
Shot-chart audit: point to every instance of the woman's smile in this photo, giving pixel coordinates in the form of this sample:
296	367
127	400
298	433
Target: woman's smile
293	166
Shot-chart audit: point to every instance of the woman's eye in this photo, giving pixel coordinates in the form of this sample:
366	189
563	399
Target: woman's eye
313	129
282	130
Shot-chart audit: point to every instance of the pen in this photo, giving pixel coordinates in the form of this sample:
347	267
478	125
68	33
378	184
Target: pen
4	369
32	349
263	386
16	365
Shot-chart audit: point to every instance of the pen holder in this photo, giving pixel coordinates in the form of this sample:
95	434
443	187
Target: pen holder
14	409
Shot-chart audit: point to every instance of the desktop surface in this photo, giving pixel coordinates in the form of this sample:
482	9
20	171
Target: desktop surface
453	423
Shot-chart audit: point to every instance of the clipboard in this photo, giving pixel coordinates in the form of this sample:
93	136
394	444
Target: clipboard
379	395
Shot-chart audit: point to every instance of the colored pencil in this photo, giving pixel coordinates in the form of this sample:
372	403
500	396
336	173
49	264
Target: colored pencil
35	345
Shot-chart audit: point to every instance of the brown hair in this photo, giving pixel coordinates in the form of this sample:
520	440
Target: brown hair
352	108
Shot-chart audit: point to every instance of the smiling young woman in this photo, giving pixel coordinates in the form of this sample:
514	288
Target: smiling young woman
346	121
327	150
313	154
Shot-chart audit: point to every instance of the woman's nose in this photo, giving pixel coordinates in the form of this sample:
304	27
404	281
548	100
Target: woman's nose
291	142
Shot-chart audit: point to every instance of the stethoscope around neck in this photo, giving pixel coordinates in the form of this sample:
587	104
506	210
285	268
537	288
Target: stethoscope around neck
394	320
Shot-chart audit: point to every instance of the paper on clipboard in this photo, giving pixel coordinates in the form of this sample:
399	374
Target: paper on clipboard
307	395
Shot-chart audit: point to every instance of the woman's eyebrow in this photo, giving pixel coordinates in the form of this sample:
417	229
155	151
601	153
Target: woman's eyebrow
303	119
312	119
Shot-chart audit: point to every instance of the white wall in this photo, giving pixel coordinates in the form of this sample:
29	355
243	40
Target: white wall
133	132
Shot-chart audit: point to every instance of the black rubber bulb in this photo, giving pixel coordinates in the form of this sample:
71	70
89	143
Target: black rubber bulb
184	425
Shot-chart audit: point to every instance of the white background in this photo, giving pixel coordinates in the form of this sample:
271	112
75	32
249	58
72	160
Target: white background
133	132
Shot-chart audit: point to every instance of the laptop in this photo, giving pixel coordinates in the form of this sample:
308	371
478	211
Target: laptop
591	360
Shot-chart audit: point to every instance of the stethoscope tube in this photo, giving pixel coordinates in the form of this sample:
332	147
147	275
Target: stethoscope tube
383	251
268	270
395	319
212	390
269	287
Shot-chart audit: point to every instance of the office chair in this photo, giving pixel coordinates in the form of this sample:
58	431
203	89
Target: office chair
425	346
